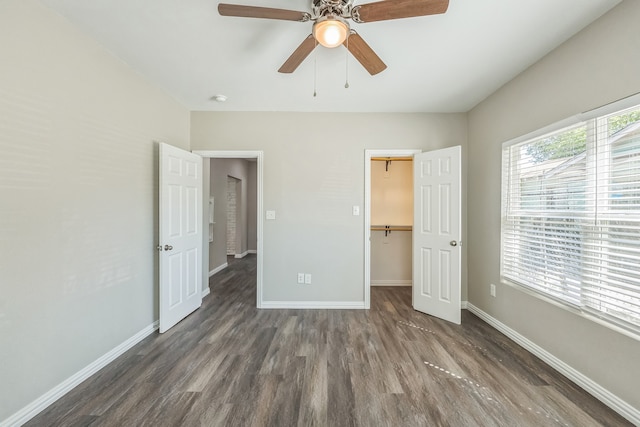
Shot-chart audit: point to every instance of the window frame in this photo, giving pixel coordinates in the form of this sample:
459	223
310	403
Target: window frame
587	118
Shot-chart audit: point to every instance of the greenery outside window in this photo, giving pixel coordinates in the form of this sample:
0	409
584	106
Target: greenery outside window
571	216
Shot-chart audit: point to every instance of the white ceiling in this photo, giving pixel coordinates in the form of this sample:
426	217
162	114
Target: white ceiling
441	63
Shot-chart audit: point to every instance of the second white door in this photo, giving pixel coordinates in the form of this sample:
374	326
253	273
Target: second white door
436	233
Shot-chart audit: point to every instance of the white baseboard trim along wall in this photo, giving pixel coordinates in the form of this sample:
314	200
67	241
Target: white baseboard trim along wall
206	291
391	282
324	305
218	269
245	253
605	396
41	403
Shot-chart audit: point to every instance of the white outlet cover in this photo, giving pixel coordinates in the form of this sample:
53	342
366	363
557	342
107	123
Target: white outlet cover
271	214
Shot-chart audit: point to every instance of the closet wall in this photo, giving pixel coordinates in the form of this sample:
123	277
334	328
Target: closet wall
391	205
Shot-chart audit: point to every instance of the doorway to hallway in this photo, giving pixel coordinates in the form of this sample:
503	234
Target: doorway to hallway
252	217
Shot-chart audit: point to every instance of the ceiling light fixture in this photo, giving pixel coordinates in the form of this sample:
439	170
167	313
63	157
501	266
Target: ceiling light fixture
330	31
219	98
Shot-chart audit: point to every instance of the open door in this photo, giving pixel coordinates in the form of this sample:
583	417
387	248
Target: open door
436	233
180	234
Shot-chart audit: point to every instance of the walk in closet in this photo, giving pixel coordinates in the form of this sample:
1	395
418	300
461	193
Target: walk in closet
391	220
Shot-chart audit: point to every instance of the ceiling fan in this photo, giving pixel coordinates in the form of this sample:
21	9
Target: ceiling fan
330	26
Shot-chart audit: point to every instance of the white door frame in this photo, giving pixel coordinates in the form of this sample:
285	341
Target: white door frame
259	156
368	154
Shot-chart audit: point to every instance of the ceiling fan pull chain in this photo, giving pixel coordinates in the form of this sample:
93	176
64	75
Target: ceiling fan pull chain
346	84
315	71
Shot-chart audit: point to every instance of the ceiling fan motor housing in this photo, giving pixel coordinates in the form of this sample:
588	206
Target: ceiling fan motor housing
341	8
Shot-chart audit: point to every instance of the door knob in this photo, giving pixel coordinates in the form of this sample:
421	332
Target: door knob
168	247
452	243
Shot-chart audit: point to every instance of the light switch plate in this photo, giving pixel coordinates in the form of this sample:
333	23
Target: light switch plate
356	210
271	214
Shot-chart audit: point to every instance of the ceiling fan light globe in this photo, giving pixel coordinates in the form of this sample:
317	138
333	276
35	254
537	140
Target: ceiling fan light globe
330	32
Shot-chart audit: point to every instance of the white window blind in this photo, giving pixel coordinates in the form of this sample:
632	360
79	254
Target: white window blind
571	216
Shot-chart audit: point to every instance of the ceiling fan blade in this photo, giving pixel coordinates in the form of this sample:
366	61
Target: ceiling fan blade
396	9
261	12
299	55
364	54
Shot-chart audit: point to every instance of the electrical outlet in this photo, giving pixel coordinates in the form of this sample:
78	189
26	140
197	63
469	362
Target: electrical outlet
492	289
307	279
300	278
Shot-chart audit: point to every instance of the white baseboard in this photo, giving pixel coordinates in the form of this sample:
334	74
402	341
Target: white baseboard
206	291
218	268
391	282
464	305
324	305
252	251
41	403
242	255
605	396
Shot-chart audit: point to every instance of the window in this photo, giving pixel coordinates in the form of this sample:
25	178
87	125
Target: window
571	216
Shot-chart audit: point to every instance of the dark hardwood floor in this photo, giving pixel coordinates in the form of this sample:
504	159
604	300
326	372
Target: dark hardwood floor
230	364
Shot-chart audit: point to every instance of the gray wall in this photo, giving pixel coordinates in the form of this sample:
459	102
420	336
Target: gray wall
312	181
597	66
219	170
78	200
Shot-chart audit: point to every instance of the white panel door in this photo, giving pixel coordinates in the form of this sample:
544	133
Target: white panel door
436	233
180	234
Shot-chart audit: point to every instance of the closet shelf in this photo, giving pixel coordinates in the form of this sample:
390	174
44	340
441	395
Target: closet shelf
391	228
392	159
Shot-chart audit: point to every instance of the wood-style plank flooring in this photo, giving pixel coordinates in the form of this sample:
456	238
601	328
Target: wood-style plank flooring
230	364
